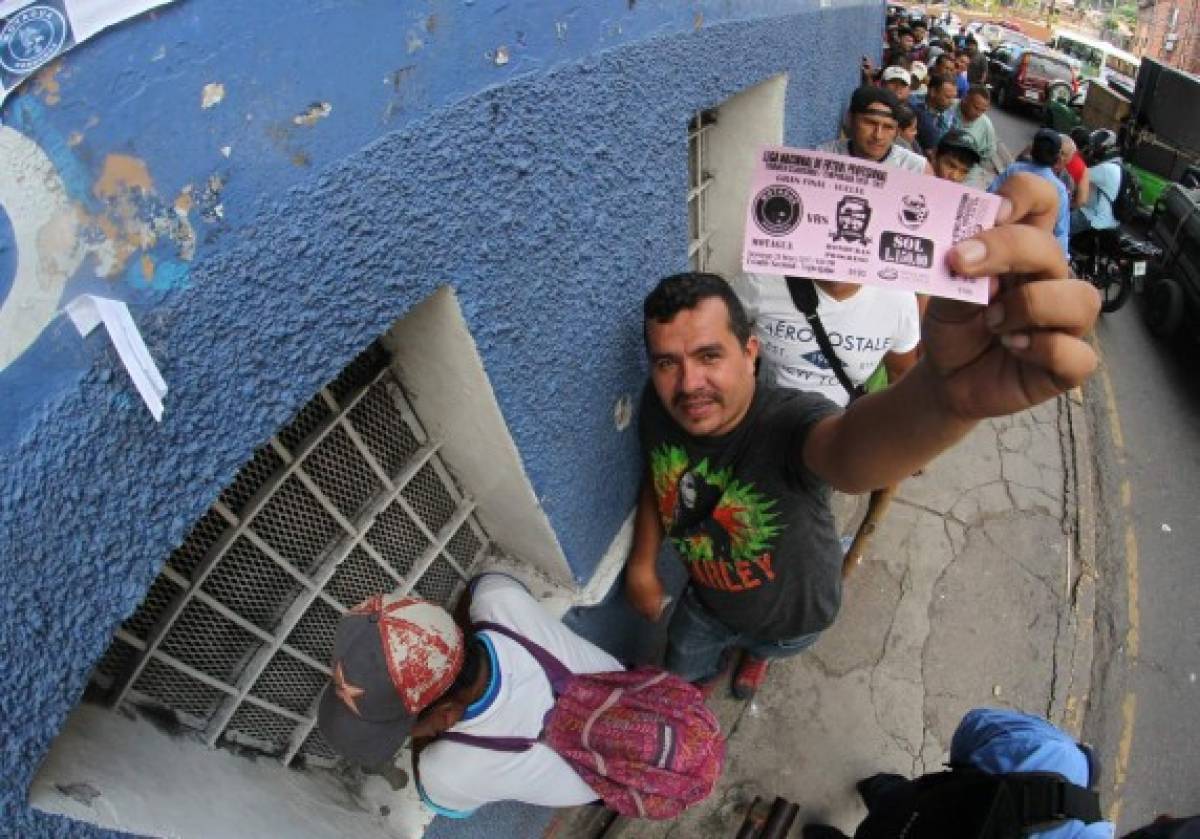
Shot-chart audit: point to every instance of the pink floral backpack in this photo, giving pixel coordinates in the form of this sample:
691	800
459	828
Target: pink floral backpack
642	739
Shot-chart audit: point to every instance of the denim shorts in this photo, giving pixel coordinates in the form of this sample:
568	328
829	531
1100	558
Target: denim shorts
696	640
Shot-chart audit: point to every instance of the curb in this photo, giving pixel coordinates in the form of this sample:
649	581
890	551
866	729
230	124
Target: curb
1073	653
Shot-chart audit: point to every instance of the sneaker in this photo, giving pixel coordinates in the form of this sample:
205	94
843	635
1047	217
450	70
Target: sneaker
751	674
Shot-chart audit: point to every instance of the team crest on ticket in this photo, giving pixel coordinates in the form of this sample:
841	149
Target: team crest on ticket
32	37
778	210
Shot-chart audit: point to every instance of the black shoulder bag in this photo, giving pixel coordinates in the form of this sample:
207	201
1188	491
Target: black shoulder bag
966	803
804	296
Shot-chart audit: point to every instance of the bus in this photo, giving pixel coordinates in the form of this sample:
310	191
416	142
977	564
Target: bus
1098	59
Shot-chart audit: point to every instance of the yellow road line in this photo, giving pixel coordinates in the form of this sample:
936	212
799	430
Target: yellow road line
1114	419
1124	750
1132	635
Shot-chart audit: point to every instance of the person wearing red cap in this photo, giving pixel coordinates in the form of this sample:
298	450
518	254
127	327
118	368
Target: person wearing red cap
401	667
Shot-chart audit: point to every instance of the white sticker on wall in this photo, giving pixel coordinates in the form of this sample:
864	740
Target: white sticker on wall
35	32
88	311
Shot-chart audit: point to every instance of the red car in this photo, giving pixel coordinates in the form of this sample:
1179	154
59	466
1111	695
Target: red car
1022	76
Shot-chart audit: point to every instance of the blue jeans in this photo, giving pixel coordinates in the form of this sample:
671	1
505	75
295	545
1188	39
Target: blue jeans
696	641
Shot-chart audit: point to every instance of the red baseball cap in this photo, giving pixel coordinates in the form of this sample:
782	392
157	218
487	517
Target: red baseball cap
392	657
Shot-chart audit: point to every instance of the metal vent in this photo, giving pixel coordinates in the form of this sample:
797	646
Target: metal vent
347	500
699	180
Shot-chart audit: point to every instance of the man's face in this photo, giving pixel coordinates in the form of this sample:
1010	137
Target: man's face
940	96
873	132
898	87
962	62
906	41
702	375
918	34
950	168
973	107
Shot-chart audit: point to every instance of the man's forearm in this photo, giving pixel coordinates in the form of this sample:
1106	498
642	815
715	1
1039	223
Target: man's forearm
885	437
647	528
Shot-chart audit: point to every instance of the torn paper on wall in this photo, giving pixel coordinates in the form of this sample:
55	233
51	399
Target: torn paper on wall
88	311
35	32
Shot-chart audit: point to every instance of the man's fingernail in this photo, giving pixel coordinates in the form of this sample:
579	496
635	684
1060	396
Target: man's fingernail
1005	211
993	316
1015	340
970	251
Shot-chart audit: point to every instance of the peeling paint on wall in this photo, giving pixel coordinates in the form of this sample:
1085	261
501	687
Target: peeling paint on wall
134	218
316	111
47	85
212	95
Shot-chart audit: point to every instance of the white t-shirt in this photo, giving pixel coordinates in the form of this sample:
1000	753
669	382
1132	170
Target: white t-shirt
456	778
862	329
897	156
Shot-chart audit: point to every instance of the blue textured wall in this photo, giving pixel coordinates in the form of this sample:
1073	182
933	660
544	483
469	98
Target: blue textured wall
548	191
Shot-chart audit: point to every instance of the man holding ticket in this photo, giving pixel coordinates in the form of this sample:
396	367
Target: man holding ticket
738	473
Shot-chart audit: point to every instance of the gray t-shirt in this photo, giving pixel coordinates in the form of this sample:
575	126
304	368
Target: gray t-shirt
750	522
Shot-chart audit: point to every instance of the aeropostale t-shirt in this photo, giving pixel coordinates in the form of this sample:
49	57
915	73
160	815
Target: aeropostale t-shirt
862	329
750	522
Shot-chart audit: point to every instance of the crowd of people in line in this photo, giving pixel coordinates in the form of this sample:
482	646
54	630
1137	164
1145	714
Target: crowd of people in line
940	85
764	395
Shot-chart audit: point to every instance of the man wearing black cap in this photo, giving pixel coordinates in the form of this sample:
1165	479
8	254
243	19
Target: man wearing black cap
873	128
1043	156
402	666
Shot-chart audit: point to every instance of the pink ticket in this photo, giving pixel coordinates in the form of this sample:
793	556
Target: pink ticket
832	217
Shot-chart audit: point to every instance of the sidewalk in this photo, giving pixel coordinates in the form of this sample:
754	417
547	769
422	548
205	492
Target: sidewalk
977	590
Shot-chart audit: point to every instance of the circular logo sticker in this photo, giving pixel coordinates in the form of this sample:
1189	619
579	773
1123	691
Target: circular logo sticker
777	210
30	38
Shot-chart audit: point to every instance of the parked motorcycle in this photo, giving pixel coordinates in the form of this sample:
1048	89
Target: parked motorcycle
1113	261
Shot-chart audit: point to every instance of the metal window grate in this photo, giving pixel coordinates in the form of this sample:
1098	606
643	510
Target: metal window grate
347	500
699	181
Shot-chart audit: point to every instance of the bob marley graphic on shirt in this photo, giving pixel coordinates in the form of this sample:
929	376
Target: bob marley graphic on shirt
723	528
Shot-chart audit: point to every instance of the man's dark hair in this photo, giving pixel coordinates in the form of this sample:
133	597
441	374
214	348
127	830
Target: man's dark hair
686	291
980	90
937	80
905	116
961	155
904	30
473	660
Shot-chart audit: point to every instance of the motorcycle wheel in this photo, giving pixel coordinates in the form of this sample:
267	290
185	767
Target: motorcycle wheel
1114	283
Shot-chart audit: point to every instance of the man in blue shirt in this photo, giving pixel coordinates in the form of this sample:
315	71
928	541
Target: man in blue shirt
935	112
1044	154
1104	174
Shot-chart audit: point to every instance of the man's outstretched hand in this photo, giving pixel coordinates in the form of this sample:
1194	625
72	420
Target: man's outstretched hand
1027	345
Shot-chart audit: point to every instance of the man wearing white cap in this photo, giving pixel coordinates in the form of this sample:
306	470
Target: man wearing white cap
898	81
